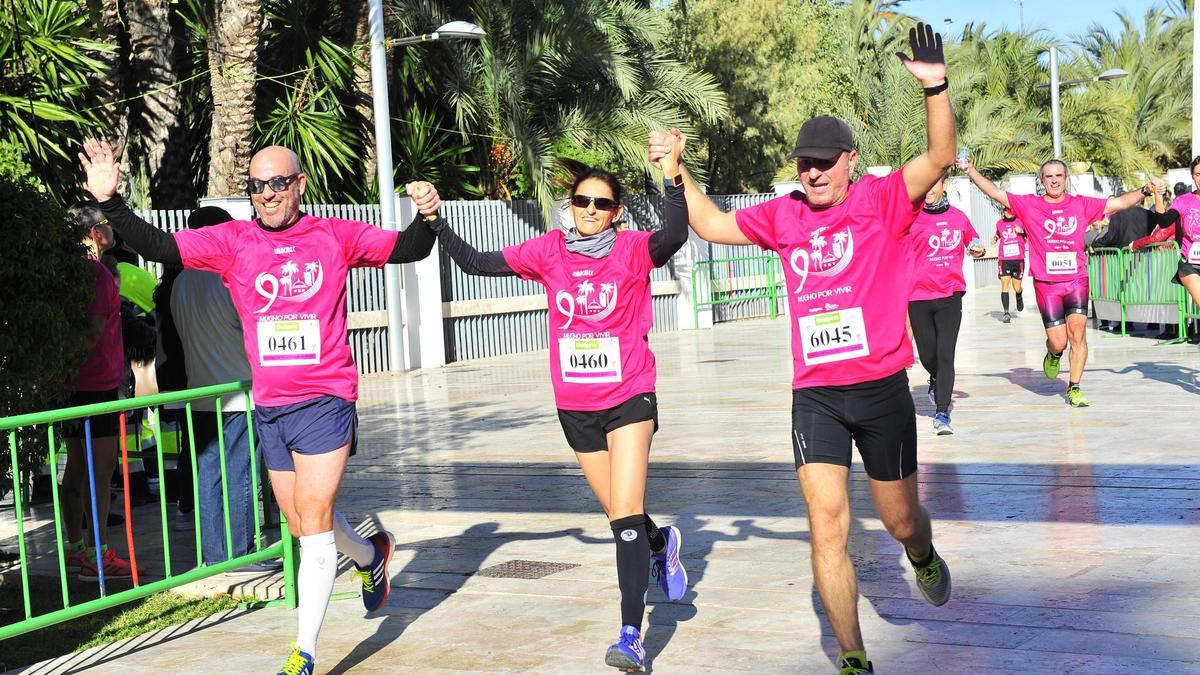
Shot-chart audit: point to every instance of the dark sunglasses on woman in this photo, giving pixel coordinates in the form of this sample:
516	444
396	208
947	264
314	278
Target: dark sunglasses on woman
602	203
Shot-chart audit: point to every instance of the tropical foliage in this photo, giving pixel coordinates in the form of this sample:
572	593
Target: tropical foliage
189	88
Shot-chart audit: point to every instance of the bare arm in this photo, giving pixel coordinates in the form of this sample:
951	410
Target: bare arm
1125	201
928	66
989	188
706	219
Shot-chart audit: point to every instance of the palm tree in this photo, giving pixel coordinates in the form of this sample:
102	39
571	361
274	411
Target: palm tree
235	28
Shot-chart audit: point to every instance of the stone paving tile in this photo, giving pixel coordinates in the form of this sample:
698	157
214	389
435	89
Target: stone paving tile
1074	535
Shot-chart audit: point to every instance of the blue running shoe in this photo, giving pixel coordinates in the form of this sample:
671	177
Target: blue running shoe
667	568
299	663
376	585
627	653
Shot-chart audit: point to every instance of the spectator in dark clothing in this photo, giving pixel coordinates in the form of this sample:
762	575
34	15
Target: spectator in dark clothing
1125	227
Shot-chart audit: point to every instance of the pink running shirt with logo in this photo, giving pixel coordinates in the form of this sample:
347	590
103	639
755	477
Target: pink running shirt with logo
600	314
1055	233
1188	206
939	241
289	288
848	278
1011	245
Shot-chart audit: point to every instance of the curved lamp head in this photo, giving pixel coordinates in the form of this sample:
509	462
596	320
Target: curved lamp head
462	30
1112	74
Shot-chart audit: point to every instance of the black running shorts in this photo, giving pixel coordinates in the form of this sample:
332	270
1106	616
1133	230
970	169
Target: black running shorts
878	416
1012	268
587	430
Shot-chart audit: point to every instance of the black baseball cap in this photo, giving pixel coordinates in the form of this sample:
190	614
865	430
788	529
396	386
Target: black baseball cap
823	137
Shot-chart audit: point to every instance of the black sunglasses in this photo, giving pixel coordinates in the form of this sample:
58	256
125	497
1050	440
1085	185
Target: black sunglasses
279	183
602	203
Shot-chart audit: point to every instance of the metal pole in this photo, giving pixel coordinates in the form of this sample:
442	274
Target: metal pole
1054	109
1195	81
387	203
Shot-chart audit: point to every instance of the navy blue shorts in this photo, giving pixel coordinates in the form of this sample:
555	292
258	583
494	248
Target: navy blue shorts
312	427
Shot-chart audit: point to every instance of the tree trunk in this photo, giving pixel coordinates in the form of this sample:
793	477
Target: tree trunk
156	121
234	32
107	89
357	37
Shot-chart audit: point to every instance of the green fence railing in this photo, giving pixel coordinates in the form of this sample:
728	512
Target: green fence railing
1139	278
20	427
725	281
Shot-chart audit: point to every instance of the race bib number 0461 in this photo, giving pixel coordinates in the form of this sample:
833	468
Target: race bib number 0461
289	343
833	336
590	361
1061	262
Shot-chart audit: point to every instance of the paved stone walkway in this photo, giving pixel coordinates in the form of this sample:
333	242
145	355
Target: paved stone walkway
1074	535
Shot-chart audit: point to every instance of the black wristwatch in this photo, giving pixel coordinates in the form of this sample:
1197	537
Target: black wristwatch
937	89
677	181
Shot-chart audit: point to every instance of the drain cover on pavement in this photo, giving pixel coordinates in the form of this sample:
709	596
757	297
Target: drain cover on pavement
524	569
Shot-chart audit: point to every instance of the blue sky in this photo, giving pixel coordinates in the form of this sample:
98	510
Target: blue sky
1063	17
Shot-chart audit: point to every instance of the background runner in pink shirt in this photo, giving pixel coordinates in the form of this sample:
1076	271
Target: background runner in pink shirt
1010	254
1054	226
938	239
600	312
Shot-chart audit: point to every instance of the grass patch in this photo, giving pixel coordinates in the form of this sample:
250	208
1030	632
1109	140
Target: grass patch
148	614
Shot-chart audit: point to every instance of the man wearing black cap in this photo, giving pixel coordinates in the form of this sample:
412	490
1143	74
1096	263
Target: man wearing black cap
842	243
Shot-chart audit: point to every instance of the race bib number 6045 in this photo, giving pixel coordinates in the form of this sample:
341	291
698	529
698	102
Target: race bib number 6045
289	343
833	336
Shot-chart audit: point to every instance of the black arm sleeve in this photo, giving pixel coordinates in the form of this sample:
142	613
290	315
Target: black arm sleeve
674	233
415	242
472	261
150	242
1166	219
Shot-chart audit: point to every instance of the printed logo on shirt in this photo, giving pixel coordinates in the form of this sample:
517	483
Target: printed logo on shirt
295	283
1009	233
1061	226
590	301
946	242
827	255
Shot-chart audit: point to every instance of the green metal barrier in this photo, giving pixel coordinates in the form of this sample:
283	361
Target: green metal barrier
725	281
1106	277
282	549
1148	277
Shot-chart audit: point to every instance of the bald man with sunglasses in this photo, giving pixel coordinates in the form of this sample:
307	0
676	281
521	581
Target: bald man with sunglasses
286	272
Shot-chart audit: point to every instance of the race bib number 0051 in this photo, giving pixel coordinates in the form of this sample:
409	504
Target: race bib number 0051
590	361
289	343
1061	262
833	336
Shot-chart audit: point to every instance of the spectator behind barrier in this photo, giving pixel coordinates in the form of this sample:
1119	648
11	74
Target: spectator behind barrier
210	334
98	381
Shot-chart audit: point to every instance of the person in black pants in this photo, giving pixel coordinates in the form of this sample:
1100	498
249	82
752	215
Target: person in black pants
939	237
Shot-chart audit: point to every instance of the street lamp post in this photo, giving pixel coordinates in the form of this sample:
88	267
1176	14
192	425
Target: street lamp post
383	152
1054	85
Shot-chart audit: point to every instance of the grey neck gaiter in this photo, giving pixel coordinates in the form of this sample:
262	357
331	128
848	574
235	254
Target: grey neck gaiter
595	246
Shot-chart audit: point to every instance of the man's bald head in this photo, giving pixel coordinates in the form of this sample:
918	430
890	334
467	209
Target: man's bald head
274	160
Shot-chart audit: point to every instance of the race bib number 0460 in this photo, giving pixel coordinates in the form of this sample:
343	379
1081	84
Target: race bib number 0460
833	336
590	361
289	343
1061	262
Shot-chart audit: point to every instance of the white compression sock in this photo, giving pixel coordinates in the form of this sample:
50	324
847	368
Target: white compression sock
350	543
314	583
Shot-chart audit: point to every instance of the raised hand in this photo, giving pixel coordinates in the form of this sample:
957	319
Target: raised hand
928	61
1158	186
660	146
103	173
425	198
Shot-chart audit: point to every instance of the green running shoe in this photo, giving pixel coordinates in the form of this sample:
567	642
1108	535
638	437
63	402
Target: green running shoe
1076	398
934	579
854	663
1050	365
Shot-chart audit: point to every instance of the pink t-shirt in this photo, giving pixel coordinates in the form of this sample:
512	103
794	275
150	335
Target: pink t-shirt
600	314
1188	206
938	242
1055	233
848	276
106	364
1011	243
289	288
